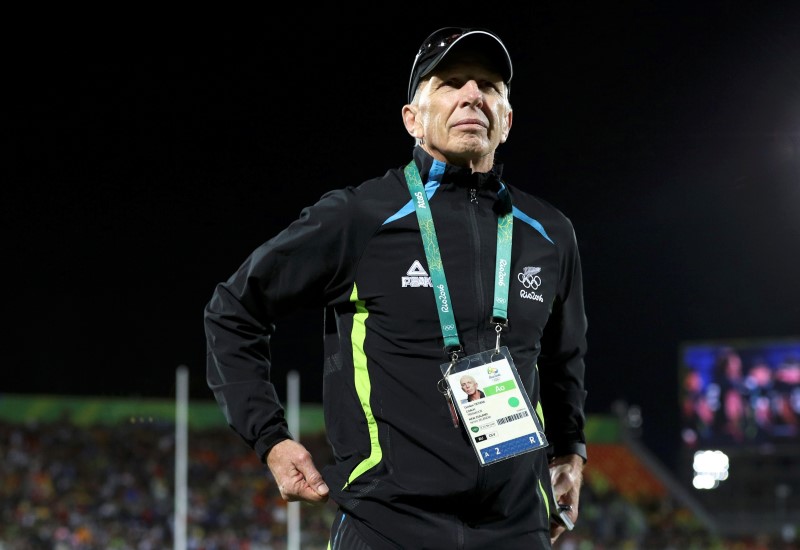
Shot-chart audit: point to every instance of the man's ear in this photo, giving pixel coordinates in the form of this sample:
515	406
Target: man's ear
410	121
506	126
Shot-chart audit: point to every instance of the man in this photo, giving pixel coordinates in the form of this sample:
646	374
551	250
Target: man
435	267
470	387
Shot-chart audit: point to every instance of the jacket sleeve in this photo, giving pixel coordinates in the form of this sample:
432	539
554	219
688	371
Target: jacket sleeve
561	362
305	265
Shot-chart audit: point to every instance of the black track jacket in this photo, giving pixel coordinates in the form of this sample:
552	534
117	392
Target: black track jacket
358	253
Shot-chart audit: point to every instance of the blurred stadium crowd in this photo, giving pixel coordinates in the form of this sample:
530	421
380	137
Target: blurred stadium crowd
65	487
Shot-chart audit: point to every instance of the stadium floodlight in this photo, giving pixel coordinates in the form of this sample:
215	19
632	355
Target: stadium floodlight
710	467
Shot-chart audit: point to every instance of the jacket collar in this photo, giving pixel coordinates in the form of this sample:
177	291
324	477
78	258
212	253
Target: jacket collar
462	177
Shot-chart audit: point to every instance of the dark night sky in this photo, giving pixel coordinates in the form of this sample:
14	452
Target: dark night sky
147	163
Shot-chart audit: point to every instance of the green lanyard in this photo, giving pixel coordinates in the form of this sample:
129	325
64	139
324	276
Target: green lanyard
447	320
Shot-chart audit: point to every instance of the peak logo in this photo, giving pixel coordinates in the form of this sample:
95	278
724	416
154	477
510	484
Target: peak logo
416	276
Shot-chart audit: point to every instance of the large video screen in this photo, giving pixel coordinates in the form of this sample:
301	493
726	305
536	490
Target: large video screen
740	392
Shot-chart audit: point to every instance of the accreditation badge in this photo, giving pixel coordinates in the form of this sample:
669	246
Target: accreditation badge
494	407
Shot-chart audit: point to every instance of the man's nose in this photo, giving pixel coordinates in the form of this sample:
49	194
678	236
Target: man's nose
472	92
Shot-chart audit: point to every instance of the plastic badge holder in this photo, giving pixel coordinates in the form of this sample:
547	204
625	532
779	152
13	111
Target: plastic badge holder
503	423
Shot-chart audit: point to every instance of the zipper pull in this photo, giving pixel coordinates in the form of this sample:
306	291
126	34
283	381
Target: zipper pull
473	195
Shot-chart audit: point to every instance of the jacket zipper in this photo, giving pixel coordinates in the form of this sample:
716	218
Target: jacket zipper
477	272
480	298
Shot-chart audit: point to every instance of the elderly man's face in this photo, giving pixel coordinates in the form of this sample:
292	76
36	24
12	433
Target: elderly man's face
468	385
462	114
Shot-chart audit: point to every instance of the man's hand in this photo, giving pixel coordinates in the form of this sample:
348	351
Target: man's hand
294	472
566	476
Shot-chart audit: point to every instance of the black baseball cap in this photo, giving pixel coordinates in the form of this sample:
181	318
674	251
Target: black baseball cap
445	40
